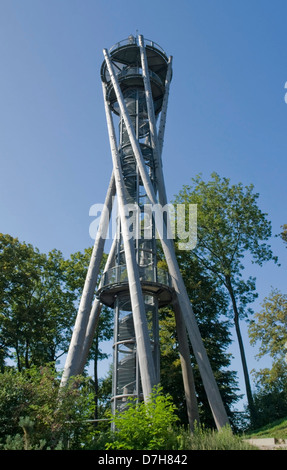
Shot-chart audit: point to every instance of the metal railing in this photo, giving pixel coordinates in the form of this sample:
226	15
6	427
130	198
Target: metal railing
119	274
135	71
134	40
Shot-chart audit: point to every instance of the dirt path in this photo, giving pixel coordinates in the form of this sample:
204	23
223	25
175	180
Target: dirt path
269	443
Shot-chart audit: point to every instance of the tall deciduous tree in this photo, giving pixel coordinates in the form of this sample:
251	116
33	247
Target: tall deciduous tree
269	328
230	226
35	306
39	296
210	305
104	332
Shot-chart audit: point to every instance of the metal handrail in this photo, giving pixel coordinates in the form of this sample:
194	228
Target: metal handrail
134	40
135	71
119	274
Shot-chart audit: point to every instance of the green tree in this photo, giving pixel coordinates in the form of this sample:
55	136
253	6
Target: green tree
104	332
269	329
210	305
230	227
36	307
39	295
29	402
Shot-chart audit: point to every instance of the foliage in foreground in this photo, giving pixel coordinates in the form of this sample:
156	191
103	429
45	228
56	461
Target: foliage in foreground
230	229
32	418
145	426
153	426
35	415
210	439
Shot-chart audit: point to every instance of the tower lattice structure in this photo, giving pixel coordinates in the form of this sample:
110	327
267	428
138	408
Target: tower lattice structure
136	75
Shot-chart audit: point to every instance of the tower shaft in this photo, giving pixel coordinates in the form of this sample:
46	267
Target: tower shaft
136	75
126	95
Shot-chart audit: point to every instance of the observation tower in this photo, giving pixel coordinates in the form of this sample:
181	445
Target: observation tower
136	75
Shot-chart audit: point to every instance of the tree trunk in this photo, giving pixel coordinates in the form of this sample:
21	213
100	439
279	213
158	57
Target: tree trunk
27	364
242	351
96	380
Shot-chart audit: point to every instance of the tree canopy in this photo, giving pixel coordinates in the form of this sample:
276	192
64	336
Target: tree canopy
210	305
230	227
39	296
269	329
36	307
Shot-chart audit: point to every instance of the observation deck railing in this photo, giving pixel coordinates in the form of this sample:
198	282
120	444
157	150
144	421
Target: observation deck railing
119	274
137	71
134	40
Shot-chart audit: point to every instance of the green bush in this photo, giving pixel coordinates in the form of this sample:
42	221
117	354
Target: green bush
35	414
145	425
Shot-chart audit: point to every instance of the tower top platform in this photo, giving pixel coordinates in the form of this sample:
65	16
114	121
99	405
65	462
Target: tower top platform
126	59
126	53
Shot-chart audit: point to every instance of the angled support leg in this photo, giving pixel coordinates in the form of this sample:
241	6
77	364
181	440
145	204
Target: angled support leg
94	316
151	117
187	372
162	123
72	365
157	144
209	382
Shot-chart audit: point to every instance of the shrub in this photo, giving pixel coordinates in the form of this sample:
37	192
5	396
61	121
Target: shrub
151	425
33	414
145	425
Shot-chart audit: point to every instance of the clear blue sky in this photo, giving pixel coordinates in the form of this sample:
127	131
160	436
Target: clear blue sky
226	110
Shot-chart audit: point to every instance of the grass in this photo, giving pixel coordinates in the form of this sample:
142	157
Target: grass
277	429
207	439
